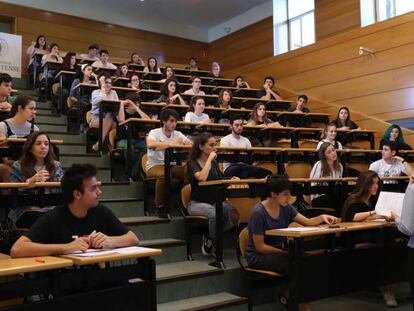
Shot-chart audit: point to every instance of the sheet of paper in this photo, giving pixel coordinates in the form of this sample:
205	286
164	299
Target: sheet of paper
389	202
122	250
300	229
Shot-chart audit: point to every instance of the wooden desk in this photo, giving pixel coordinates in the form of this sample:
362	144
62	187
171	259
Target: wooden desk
49	65
348	136
270	104
12	147
245	92
221	82
13	266
210	100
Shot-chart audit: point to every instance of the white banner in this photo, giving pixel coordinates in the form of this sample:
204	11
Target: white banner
11	54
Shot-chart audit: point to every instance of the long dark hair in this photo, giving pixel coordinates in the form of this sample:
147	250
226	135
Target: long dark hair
324	163
254	115
347	122
361	191
194	101
155	69
220	96
66	62
22	101
164	74
199	141
37	45
28	161
164	89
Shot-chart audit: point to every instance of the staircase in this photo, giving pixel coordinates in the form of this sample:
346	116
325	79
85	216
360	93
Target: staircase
181	284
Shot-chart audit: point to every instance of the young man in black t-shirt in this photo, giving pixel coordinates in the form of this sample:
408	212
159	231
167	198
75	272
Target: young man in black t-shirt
79	224
267	92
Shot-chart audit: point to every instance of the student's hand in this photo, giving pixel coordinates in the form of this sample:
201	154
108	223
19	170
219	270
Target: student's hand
5	106
235	178
100	240
40	176
80	244
212	156
330	220
266	87
412	179
178	141
394	217
397	158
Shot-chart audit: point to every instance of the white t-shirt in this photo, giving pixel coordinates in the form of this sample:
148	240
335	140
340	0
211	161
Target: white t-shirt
328	141
97	96
192	117
191	92
316	172
231	141
383	169
99	64
156	157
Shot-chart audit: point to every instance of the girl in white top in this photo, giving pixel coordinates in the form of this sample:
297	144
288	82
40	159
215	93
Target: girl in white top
328	166
329	136
152	66
196	113
53	55
39	46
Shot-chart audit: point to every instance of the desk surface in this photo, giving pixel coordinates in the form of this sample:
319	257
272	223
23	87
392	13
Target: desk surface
14	266
80	261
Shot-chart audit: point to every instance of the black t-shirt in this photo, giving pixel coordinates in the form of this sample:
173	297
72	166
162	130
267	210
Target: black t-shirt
262	92
203	194
351	124
59	225
357	207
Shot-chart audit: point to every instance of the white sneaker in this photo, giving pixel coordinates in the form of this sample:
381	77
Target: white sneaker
206	246
95	147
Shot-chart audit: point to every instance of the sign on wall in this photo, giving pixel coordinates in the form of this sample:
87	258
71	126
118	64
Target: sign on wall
11	54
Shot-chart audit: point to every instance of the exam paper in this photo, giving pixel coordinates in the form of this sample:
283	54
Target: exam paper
300	229
389	202
121	250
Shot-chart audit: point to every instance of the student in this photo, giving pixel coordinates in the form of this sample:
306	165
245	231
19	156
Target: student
267	92
196	113
329	136
360	204
224	101
69	62
105	92
259	118
81	215
328	166
53	55
235	139
159	138
405	224
239	83
135	82
84	75
168	74
300	105
136	60
38	46
152	65
275	212
37	164
170	94
215	70
92	53
391	165
5	90
103	61
192	65
202	166
343	120
195	87
395	134
123	71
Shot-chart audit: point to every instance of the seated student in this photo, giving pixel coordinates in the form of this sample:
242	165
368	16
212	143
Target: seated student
235	139
69	62
259	118
275	212
37	47
196	113
202	166
37	164
5	90
395	134
192	65
329	136
84	75
159	138
170	95
81	215
195	87
267	93
123	71
328	166
215	70
135	81
343	120
103	61
105	92
300	105
391	164
224	101
53	55
92	53
168	74
152	66
136	60
239	83
130	109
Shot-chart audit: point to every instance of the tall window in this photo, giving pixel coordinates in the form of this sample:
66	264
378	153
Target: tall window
293	24
373	11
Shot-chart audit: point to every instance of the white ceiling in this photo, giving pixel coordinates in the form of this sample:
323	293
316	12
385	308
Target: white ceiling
203	20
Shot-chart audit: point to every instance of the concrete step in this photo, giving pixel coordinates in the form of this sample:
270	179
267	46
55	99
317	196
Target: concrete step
68	137
48	127
67	159
43	105
121	190
72	148
173	250
128	207
150	227
218	301
52	119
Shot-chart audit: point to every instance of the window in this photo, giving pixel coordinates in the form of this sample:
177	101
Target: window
293	24
373	11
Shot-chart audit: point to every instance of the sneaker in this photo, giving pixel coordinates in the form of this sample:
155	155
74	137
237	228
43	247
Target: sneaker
389	299
95	147
206	246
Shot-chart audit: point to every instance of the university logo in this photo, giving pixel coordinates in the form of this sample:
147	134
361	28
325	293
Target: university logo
4	47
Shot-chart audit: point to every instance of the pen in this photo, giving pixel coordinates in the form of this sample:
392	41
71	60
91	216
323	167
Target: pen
75	237
41	260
